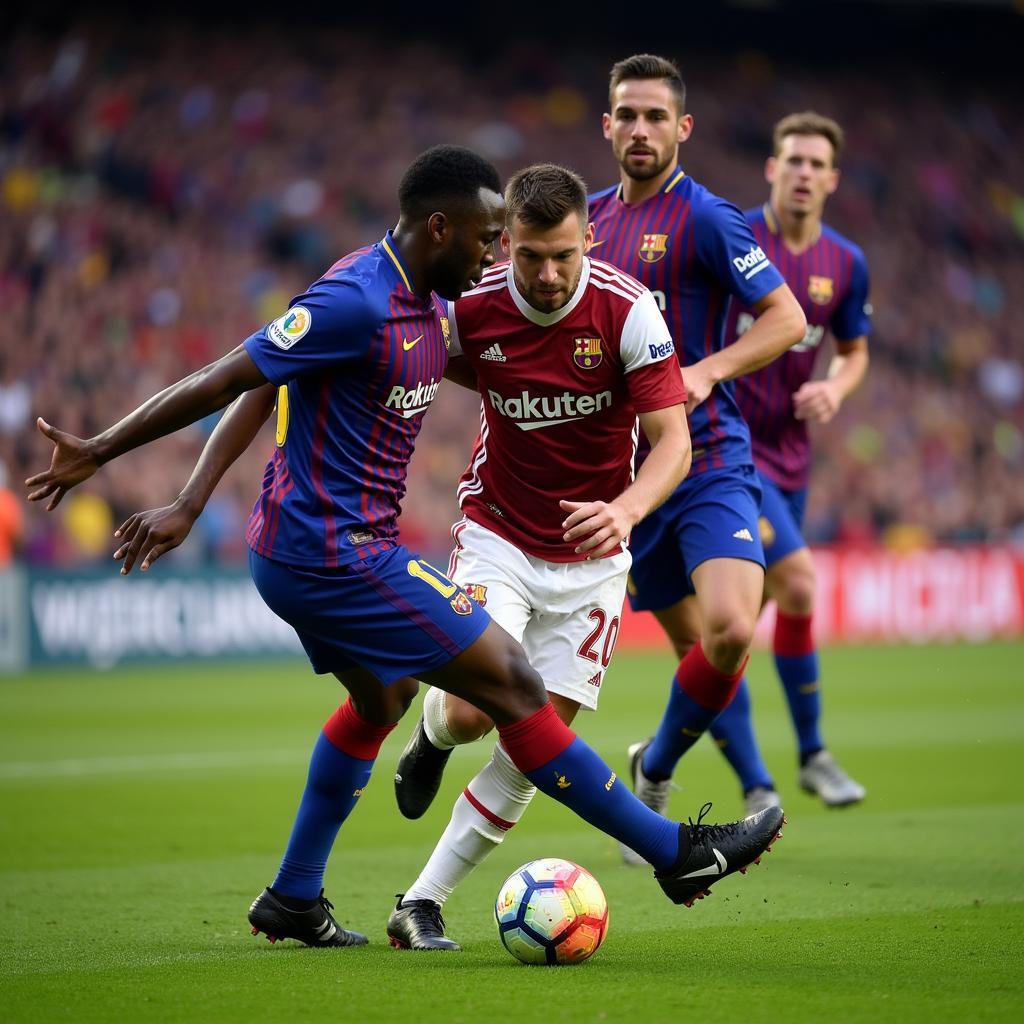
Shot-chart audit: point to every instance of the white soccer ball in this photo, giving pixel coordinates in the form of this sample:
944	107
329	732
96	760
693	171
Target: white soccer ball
551	911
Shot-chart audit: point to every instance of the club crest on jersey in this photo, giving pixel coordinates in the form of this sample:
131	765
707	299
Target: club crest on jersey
819	289
287	330
446	330
461	604
587	352
653	248
478	592
767	531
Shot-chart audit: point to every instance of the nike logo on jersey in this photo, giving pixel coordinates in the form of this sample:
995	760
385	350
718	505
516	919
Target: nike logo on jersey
494	354
411	344
718	868
743	534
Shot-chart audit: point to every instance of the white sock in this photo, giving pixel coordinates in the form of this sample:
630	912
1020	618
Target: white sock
504	793
435	723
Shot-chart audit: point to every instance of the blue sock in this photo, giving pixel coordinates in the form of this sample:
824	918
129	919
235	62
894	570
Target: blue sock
574	775
698	694
733	731
799	675
335	782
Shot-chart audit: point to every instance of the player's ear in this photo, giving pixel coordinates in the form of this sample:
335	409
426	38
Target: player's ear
437	227
833	181
685	127
506	242
769	169
606	125
588	238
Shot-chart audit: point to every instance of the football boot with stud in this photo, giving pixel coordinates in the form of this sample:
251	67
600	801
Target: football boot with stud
315	926
418	925
419	772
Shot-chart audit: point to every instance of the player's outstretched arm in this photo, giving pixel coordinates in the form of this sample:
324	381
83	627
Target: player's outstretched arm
148	535
76	459
601	526
819	400
780	324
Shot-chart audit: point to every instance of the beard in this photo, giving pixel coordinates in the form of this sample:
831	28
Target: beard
652	170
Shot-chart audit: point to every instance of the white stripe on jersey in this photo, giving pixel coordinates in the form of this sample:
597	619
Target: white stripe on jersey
474	485
453	558
607	272
614	288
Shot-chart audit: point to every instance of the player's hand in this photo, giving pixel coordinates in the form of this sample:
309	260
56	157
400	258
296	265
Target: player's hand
698	381
817	401
72	462
599	526
148	535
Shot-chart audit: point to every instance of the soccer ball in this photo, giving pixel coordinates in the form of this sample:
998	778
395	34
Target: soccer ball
551	911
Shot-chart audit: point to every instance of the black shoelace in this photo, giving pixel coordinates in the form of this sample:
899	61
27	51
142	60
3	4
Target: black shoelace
700	833
428	910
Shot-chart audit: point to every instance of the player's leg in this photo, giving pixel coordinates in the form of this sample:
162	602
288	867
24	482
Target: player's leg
717	534
569	639
499	577
733	729
491	804
791	583
339	770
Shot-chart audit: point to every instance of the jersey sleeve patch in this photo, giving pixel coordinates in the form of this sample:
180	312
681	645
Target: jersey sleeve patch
286	330
645	335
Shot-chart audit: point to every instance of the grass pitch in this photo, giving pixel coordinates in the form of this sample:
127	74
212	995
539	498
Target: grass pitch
143	809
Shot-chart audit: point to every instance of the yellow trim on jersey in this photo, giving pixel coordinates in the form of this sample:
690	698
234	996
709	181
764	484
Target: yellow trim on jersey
769	218
676	178
394	259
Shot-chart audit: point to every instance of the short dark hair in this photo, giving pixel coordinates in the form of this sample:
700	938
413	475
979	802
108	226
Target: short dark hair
441	175
647	65
543	195
809	122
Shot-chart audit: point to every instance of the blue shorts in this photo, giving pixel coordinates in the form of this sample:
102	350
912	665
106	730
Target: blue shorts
782	515
392	614
713	515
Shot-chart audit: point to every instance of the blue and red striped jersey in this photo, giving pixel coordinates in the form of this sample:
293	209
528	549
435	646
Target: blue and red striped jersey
830	280
358	359
693	250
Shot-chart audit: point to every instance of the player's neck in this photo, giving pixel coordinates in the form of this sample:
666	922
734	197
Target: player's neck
798	233
409	252
633	191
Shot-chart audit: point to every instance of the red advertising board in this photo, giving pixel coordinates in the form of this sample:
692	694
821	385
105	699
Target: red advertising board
946	594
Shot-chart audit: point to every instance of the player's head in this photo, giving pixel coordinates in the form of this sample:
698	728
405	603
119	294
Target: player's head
450	198
546	233
804	168
646	117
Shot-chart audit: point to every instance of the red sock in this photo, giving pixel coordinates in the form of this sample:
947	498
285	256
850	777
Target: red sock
536	739
353	735
703	683
793	635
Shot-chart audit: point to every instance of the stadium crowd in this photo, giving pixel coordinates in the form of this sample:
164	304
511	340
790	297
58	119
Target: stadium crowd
163	195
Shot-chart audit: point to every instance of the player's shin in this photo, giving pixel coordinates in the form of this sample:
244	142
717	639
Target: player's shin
733	732
435	720
796	660
339	770
698	694
561	765
488	807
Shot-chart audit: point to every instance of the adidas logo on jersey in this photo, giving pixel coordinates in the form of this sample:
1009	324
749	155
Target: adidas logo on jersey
493	354
743	534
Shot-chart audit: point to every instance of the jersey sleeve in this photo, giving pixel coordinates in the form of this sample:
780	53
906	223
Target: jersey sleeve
852	317
330	325
649	361
455	346
728	249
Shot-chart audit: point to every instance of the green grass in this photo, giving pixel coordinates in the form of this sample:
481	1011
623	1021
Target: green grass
142	810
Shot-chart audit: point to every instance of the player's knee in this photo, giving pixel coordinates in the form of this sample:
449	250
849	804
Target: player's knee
726	642
388	704
465	722
796	591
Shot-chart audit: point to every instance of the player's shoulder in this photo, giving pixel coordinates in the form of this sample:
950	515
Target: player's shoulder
706	206
596	199
615	282
493	284
830	235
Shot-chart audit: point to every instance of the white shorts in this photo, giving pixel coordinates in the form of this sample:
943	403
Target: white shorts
565	614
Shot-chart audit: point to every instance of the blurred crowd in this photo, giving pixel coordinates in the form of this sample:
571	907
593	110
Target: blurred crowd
164	194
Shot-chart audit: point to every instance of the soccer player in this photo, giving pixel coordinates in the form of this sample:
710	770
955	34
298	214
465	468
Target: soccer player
361	354
566	351
698	563
829	276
